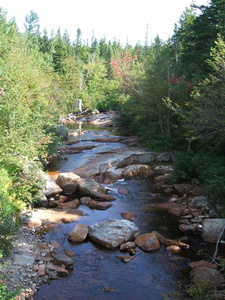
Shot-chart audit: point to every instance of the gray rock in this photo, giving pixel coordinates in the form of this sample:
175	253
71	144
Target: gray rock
68	182
51	188
165	156
113	233
62	259
88	186
211	229
23	260
199	201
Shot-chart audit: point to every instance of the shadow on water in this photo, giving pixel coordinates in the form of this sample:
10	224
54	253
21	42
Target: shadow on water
98	273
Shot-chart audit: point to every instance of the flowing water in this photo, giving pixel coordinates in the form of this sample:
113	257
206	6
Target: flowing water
98	274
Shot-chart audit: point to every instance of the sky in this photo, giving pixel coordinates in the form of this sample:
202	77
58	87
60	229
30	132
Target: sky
123	20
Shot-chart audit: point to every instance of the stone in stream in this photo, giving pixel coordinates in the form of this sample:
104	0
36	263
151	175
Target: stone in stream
79	233
51	188
125	258
99	205
147	242
68	182
62	259
113	233
131	216
212	228
88	186
204	276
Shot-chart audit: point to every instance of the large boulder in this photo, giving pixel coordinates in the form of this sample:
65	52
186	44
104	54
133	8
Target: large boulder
51	188
68	182
204	276
211	229
88	186
113	233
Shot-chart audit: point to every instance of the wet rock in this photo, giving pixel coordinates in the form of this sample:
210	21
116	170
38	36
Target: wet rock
103	197
211	229
23	260
55	244
204	276
131	216
200	201
88	186
113	233
127	246
173	249
113	173
69	252
125	258
62	259
67	220
137	170
79	233
123	191
99	205
68	182
60	270
172	207
51	188
147	242
191	228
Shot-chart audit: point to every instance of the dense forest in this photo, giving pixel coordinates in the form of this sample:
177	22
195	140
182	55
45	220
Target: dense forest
170	93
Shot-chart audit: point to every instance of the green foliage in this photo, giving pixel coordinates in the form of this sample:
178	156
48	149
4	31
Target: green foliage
209	169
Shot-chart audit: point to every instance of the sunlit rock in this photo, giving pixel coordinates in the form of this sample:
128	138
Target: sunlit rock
113	233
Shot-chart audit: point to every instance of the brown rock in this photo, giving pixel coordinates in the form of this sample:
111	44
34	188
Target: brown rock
62	259
68	182
204	276
55	244
127	245
123	191
85	200
174	249
41	270
99	205
71	204
59	270
125	258
131	216
147	242
69	252
79	233
67	220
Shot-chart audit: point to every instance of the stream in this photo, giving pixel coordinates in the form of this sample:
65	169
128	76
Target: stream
97	273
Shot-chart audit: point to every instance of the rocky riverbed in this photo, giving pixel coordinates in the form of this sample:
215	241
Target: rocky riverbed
34	262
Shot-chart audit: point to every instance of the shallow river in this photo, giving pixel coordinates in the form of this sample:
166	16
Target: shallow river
98	274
